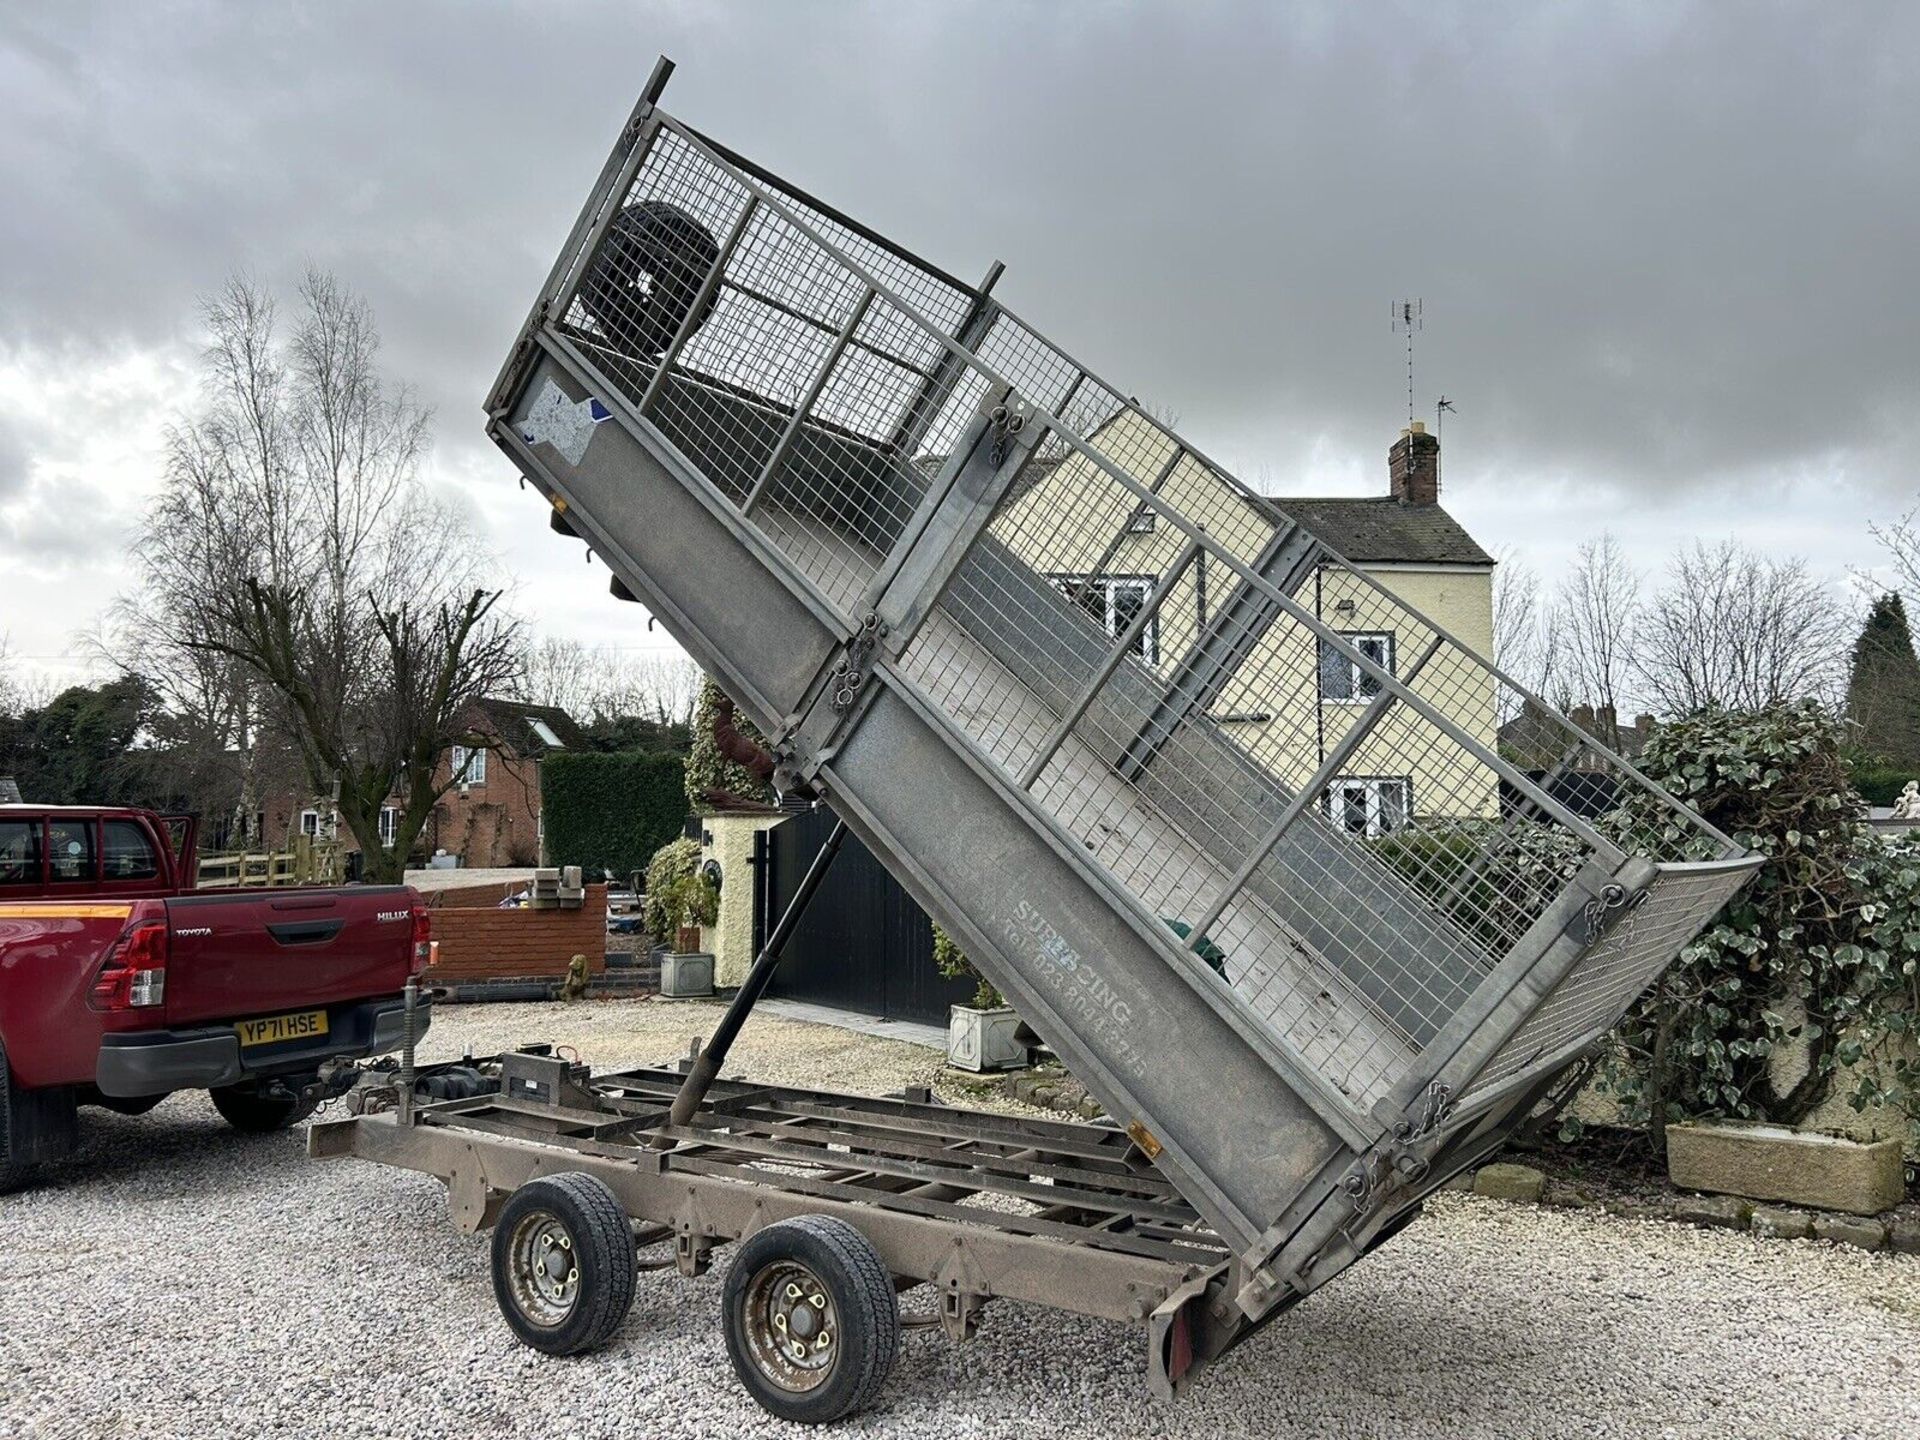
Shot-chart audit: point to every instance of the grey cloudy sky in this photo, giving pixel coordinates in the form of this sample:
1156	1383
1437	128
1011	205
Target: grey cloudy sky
1666	250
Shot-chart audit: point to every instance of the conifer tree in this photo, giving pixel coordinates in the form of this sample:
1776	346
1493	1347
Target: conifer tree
1883	686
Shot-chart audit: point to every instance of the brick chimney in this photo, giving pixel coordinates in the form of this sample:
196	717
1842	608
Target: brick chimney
1413	466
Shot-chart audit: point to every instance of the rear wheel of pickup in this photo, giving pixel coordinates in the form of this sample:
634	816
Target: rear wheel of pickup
36	1127
564	1263
258	1109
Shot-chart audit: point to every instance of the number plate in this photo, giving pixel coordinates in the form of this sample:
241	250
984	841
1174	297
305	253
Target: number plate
274	1029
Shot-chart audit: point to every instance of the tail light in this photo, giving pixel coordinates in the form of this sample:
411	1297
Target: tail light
424	948
134	974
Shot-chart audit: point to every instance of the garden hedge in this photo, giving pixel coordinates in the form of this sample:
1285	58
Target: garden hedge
1880	785
611	811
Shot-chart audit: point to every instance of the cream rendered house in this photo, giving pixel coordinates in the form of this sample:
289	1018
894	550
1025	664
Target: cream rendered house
1291	698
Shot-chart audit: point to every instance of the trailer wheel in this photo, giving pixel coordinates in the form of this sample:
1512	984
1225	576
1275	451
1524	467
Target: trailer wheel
564	1263
812	1323
253	1110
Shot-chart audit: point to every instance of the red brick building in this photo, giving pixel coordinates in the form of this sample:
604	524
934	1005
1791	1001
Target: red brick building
490	813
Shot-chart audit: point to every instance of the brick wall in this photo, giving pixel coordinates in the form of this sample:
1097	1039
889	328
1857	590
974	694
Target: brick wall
472	897
487	943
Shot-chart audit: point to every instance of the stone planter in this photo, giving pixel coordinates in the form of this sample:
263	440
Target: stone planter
981	1040
686	977
1772	1162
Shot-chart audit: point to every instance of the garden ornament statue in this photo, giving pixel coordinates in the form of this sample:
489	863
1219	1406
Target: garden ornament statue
1906	805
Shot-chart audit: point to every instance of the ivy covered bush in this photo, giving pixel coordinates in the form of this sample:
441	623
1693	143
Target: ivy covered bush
673	864
707	768
1808	975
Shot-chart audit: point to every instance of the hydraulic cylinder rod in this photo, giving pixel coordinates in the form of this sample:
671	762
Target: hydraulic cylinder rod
700	1076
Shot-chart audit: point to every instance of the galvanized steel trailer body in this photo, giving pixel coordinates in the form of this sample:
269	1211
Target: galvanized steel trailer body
1092	701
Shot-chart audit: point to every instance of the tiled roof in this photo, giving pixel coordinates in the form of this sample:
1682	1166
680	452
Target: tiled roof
1378	529
1366	529
513	722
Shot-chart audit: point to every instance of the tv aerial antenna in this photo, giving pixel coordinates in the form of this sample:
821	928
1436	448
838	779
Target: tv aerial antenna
1407	321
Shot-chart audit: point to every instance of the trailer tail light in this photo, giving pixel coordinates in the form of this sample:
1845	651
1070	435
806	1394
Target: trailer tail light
134	974
425	948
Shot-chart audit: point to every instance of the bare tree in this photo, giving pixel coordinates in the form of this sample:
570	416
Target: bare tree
665	687
12	690
1523	624
1901	540
603	683
561	672
296	575
1598	610
1733	628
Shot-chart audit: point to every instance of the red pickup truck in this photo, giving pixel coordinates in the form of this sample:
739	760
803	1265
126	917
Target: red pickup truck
120	982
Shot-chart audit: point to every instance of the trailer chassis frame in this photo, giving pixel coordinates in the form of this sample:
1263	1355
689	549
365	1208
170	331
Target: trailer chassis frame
978	1205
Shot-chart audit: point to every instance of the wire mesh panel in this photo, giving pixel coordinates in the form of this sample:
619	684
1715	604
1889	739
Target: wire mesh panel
1662	920
1293	771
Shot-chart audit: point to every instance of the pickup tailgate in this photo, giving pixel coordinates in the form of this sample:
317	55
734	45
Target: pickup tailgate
242	953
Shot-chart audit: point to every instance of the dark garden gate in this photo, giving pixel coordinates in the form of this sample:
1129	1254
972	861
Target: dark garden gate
863	944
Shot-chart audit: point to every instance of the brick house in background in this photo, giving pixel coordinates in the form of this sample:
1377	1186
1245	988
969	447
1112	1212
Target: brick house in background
490	813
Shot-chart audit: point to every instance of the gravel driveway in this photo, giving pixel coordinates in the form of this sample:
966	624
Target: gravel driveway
181	1280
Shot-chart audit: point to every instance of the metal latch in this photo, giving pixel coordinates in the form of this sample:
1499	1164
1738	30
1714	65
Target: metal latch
843	685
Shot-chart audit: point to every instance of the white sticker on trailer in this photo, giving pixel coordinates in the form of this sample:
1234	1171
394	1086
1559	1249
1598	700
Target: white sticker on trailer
566	425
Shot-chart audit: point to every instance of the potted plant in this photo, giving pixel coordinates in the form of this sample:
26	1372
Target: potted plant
984	1035
690	901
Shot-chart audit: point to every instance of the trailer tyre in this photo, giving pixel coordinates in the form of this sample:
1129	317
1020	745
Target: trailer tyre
812	1322
254	1111
564	1263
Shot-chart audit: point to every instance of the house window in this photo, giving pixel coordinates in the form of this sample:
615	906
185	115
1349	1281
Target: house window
389	824
1344	680
317	826
1370	805
1113	601
469	765
543	732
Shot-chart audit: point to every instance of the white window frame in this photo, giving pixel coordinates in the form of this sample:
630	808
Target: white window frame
1372	790
389	824
1377	645
1146	647
469	765
316	825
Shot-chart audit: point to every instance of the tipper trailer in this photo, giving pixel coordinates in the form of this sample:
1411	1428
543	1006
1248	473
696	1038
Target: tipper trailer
892	518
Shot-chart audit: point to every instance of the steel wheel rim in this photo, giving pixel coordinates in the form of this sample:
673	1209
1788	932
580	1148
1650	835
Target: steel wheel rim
791	1326
543	1269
